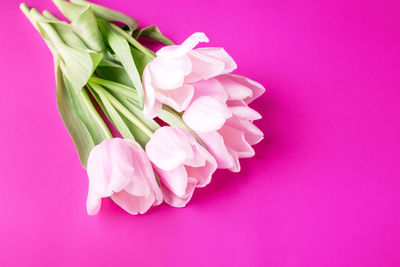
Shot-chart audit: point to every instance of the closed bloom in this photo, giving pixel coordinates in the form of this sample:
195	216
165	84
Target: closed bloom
181	163
220	115
171	77
119	169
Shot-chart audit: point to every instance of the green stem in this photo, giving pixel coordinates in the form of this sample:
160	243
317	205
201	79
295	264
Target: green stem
34	17
110	112
133	41
25	9
89	105
121	108
49	16
118	88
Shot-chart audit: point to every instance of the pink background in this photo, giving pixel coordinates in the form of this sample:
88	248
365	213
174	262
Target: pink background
323	189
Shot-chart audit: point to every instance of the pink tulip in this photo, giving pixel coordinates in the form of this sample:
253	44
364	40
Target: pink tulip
169	78
181	163
119	168
219	114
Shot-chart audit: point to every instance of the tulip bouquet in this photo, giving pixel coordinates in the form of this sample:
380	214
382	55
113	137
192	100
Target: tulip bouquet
180	112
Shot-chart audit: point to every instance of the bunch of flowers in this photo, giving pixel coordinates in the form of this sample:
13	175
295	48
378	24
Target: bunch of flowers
181	113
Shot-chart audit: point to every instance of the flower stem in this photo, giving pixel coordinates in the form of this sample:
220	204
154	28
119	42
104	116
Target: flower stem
89	105
25	9
133	41
119	88
121	108
41	25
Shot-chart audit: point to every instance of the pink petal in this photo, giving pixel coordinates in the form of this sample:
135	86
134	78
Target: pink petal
154	111
252	134
196	160
205	165
206	114
219	54
235	90
168	148
185	47
235	140
133	204
178	99
111	159
93	203
146	171
245	112
175	201
139	184
155	187
119	168
157	192
236	165
149	94
202	174
98	171
204	67
176	180
168	73
210	87
215	144
256	88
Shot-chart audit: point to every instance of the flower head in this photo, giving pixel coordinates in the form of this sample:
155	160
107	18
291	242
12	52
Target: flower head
119	168
220	115
181	163
169	78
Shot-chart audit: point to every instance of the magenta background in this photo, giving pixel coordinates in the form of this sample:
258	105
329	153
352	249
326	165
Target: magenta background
323	189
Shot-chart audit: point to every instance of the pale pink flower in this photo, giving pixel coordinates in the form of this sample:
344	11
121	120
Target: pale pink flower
181	163
169	78
119	169
220	116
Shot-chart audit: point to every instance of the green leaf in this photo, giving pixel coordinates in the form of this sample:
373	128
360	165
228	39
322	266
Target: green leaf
83	22
121	48
115	74
34	17
69	10
109	60
152	32
77	64
141	60
65	31
85	26
84	124
108	14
